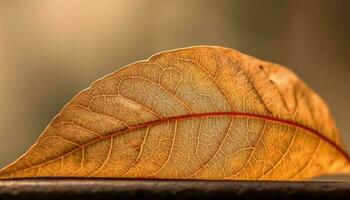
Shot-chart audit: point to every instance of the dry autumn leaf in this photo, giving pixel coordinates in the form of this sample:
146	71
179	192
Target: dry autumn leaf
193	113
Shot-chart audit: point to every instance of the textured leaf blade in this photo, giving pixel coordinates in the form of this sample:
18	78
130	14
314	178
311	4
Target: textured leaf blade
201	113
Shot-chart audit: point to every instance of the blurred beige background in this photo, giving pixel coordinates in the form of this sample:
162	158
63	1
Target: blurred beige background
50	50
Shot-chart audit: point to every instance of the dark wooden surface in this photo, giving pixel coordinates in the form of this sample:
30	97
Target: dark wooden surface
169	189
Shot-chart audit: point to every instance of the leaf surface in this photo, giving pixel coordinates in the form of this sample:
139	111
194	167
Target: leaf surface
194	113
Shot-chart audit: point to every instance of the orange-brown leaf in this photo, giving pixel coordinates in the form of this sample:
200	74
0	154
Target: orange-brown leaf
193	113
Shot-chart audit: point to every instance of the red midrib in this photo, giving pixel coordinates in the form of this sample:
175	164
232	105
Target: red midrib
213	114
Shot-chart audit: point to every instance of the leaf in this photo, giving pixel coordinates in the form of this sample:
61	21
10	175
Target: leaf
193	113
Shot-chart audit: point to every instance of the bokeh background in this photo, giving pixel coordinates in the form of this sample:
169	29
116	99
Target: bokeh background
50	50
